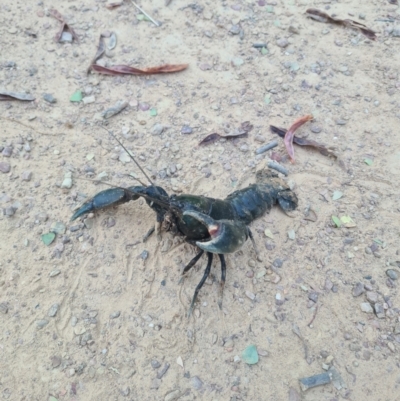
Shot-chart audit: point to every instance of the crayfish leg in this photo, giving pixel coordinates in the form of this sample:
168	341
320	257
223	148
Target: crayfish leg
254	244
147	235
190	265
204	278
223	277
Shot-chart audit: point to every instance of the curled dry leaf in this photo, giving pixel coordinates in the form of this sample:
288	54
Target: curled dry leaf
127	70
101	48
16	96
289	136
325	150
244	129
64	26
324	17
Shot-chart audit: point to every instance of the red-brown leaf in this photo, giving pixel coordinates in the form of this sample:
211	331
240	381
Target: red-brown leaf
288	139
328	151
127	70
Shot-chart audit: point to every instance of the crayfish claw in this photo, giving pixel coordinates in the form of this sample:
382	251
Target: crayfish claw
227	236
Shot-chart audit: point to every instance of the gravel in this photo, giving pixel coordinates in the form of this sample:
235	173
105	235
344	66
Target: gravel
53	310
5	167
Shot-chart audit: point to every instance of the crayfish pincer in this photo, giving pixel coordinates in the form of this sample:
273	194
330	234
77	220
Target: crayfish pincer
215	226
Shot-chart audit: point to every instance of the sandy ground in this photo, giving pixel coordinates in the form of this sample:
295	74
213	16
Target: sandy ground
89	317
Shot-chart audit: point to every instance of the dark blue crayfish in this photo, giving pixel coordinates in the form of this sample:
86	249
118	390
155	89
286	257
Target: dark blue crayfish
215	226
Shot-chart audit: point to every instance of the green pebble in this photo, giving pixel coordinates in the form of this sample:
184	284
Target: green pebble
76	97
269	9
368	162
48	238
267	99
250	355
153	112
264	51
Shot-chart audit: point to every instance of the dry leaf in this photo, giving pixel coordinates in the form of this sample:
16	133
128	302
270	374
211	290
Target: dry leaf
127	70
289	136
64	26
323	17
16	96
327	151
244	129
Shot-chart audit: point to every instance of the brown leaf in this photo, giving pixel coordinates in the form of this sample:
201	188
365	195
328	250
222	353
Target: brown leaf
116	4
242	132
324	17
210	138
327	151
101	48
64	26
16	96
127	70
289	136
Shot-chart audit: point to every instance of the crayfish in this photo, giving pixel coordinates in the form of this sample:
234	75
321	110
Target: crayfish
215	226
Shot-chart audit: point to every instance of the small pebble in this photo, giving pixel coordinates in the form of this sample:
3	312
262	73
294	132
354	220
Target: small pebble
282	42
250	295
392	274
66	37
278	262
341	122
197	384
366	307
5	167
157	129
379	310
41	323
7	151
26	176
237	61
358	289
9	211
115	314
53	310
49	98
186	130
88	99
372	297
155	364
315	128
313	296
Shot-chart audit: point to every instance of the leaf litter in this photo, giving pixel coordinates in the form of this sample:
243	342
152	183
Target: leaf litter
282	132
243	131
125	69
4	95
65	27
348	23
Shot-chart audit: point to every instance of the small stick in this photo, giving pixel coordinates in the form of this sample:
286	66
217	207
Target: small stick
147	15
278	167
314	315
266	147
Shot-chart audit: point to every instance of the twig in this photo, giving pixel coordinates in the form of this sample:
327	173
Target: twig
266	147
30	127
147	15
278	168
314	315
